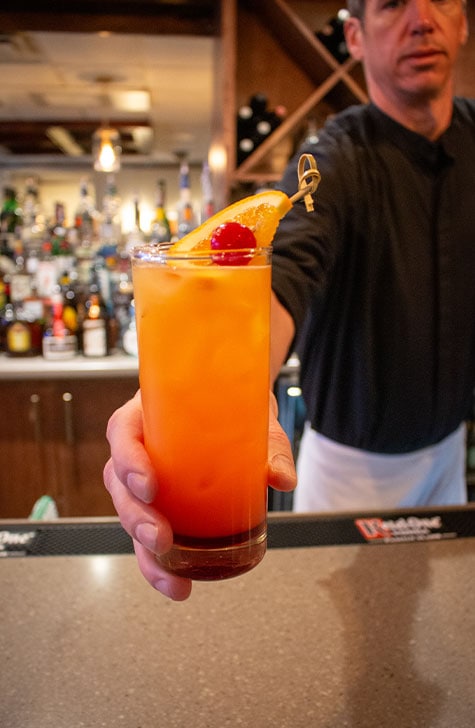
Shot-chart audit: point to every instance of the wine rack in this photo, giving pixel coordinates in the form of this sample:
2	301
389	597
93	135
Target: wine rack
271	46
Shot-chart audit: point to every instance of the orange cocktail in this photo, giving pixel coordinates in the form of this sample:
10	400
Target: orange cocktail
203	333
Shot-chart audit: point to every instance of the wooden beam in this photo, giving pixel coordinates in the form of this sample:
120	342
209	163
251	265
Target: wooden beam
183	17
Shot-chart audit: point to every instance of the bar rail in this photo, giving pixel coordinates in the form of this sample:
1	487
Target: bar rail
83	536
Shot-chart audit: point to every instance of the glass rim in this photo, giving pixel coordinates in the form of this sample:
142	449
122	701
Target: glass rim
148	252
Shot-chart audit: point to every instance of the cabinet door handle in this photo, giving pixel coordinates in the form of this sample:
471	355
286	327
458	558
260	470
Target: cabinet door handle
68	418
35	417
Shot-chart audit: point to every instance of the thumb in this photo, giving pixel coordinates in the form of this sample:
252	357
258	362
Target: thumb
281	473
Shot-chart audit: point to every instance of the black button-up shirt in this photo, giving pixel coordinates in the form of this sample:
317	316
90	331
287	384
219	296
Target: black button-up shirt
380	280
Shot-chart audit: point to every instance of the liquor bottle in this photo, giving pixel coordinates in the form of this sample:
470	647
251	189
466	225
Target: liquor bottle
85	218
34	226
135	236
84	234
24	329
5	247
160	228
11	213
59	222
94	325
129	338
31	264
207	197
68	285
105	270
21	282
186	215
31	309
111	224
58	341
58	231
4	291
17	334
6	308
122	294
10	222
46	271
137	212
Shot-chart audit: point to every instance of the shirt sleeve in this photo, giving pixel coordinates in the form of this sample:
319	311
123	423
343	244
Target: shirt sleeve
307	244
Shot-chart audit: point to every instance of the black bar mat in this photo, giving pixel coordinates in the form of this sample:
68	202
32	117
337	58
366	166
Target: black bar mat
85	537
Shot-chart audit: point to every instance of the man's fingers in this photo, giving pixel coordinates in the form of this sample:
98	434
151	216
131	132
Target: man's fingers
131	462
141	521
174	587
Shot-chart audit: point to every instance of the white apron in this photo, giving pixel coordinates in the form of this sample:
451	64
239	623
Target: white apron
335	477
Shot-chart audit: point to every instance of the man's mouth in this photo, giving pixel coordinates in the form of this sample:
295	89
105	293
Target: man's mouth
423	56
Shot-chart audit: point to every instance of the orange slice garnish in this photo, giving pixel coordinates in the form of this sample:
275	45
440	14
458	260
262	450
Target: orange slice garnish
261	213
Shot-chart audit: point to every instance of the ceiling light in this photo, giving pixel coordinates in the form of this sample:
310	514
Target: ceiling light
106	149
64	140
132	101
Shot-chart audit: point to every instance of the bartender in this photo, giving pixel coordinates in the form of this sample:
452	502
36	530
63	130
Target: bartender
374	289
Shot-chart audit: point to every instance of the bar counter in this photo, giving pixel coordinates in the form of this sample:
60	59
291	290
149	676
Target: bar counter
36	367
117	364
326	635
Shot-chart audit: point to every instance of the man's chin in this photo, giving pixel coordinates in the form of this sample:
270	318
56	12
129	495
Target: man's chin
430	80
428	87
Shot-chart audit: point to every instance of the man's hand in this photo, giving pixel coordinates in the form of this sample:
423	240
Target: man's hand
131	482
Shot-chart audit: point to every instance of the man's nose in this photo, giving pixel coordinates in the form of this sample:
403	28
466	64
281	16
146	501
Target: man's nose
421	16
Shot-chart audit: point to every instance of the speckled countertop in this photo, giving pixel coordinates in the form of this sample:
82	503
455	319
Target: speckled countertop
325	637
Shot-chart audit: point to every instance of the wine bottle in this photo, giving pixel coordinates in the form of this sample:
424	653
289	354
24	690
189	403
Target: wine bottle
255	123
332	36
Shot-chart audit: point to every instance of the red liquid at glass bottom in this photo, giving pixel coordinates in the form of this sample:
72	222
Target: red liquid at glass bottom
211	559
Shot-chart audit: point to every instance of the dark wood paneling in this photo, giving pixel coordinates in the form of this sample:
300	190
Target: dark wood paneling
183	17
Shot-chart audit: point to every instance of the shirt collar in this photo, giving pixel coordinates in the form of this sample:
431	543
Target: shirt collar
431	155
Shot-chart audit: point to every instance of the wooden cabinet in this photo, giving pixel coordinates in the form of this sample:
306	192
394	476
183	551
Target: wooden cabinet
270	46
52	441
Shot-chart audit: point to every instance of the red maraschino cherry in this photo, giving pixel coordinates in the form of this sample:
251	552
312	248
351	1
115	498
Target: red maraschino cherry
232	236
